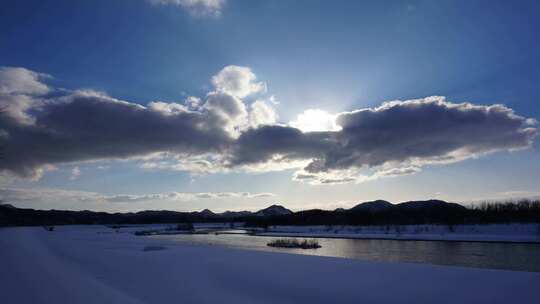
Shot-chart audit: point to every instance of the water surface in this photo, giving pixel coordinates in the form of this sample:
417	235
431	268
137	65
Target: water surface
522	257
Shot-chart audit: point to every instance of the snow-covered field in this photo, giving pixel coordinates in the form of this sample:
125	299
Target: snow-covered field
490	233
93	264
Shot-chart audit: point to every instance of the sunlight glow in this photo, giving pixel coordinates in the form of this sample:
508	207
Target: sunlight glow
315	120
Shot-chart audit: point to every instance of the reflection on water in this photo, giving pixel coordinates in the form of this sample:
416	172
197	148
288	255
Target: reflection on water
523	257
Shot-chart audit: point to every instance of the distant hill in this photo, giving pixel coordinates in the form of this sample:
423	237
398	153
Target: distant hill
10	215
273	210
429	204
207	213
382	205
373	206
378	212
233	214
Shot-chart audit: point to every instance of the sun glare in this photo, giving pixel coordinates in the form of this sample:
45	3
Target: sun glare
315	120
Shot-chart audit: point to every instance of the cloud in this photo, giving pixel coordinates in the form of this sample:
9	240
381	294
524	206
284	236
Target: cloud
351	175
330	177
193	103
75	173
42	195
197	8
400	134
214	195
195	164
86	125
392	172
228	111
18	89
237	81
167	108
16	80
222	133
215	163
262	114
259	145
518	194
425	131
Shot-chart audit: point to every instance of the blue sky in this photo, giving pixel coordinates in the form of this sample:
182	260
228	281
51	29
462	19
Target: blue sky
335	56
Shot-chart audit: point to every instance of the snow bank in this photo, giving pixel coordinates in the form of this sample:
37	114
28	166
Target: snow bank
489	233
97	265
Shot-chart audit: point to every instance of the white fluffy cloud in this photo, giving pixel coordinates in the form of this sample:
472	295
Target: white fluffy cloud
262	114
237	81
231	84
19	89
197	8
15	80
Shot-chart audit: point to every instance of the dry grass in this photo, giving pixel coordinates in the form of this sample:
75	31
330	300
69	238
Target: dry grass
294	243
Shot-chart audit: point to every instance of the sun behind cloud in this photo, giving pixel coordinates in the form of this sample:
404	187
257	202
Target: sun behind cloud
315	120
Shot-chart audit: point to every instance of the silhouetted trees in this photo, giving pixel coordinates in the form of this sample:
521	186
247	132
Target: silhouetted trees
501	212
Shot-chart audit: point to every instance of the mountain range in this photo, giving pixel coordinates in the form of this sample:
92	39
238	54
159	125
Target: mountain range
10	215
269	211
378	212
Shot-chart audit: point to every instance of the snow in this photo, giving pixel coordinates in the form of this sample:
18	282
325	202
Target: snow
518	233
93	264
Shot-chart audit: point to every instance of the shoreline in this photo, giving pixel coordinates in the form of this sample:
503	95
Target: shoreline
390	238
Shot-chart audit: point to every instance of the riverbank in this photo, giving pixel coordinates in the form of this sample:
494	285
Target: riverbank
92	264
490	233
500	233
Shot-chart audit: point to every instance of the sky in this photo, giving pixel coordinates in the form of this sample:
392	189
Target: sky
184	105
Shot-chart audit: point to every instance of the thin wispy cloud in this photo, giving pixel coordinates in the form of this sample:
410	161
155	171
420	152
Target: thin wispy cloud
38	195
196	8
75	173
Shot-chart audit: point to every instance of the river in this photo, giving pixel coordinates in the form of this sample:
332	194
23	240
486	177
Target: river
509	256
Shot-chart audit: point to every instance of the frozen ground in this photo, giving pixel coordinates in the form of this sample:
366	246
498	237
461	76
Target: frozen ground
490	233
91	264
